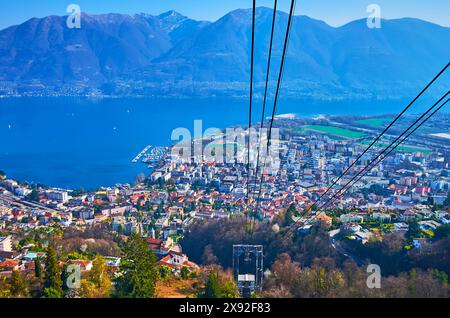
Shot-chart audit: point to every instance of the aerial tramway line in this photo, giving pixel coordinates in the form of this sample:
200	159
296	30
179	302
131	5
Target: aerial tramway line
372	144
248	270
259	172
279	80
383	153
381	156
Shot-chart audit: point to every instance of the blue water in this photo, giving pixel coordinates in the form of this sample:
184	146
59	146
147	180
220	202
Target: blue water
80	142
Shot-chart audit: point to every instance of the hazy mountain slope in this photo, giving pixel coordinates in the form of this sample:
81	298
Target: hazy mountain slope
401	50
221	50
172	54
104	46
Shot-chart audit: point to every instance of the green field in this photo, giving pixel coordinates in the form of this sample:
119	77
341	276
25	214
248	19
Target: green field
405	148
335	131
374	122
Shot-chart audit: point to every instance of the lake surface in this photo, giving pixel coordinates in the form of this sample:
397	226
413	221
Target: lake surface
81	142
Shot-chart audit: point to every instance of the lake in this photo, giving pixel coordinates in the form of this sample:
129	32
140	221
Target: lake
81	142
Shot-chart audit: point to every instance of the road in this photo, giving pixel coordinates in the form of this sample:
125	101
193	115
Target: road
338	247
10	199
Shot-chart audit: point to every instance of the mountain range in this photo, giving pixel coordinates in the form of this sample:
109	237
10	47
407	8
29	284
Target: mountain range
172	55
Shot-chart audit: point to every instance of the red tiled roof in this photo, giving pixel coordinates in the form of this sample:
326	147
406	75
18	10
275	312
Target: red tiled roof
153	240
82	263
9	263
166	262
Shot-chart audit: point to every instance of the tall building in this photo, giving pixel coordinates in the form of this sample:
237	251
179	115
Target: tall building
5	244
60	196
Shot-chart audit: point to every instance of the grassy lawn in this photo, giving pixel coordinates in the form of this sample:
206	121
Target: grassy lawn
374	122
335	131
405	148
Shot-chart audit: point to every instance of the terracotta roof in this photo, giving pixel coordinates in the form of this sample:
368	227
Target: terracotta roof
153	240
9	263
82	263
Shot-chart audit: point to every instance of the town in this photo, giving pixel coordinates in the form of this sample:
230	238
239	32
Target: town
409	188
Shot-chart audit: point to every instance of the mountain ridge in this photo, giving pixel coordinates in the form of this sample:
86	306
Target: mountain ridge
171	54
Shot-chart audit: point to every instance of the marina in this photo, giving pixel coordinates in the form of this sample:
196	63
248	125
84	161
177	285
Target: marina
155	156
139	156
152	157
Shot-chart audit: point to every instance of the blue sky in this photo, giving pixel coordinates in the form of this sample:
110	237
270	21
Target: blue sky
334	12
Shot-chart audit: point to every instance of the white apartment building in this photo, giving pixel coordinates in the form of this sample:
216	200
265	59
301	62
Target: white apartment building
5	244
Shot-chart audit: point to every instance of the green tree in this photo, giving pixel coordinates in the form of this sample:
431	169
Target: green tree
212	287
442	232
447	201
65	275
138	270
18	285
53	284
99	276
164	272
217	205
98	284
37	268
219	286
229	289
5	287
413	230
52	293
184	272
33	196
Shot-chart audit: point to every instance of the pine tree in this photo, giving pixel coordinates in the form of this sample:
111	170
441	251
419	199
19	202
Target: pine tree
37	268
413	230
219	286
53	284
65	275
212	288
138	270
19	286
